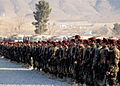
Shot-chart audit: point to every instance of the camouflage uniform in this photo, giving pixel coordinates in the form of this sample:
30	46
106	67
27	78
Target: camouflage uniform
113	65
79	68
102	64
87	64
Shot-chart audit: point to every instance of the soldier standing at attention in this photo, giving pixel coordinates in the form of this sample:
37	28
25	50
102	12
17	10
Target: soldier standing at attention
104	55
86	62
98	45
80	52
113	60
92	60
71	57
65	59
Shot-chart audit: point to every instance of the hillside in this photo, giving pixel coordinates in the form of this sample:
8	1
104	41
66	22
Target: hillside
77	10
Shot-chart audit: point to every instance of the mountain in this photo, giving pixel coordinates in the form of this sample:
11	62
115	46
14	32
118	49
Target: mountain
77	10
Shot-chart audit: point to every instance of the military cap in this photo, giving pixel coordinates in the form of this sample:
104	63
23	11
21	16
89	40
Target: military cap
118	41
68	40
39	41
105	40
64	41
49	41
28	41
86	41
77	36
72	40
98	41
35	42
60	42
10	42
43	41
112	41
92	39
54	43
14	43
109	40
80	40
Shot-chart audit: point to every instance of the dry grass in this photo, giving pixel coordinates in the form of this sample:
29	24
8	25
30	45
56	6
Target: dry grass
9	27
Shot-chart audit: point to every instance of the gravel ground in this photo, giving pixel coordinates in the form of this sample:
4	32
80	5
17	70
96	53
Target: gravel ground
12	74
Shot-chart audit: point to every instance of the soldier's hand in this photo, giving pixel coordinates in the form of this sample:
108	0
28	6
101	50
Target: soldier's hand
92	67
107	73
48	60
54	58
75	62
65	58
82	63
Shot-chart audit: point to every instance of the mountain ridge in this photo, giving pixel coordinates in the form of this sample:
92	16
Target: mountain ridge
87	10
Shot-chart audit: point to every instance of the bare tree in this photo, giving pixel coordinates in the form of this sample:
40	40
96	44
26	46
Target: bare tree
51	28
20	22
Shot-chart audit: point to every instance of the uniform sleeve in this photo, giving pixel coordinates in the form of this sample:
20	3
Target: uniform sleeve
117	56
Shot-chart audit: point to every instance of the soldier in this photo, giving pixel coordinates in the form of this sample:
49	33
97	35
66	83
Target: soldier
38	55
46	56
113	61
86	62
102	64
79	69
59	54
98	45
65	60
92	60
118	44
52	63
71	57
33	54
76	38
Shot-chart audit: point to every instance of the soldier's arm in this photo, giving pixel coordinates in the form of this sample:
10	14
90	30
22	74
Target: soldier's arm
117	56
94	57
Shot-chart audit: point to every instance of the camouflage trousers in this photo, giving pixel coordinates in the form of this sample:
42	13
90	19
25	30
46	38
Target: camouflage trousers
112	77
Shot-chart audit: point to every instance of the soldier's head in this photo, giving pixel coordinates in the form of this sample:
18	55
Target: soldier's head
31	43
77	37
72	42
59	42
112	43
105	42
80	42
64	42
39	42
98	42
49	41
45	45
86	43
53	44
118	42
92	40
35	42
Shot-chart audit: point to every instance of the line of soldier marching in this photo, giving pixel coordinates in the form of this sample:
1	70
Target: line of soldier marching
94	62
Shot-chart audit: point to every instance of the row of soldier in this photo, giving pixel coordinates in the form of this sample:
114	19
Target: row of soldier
94	62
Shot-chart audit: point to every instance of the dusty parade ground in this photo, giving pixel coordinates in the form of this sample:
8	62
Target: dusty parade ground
12	74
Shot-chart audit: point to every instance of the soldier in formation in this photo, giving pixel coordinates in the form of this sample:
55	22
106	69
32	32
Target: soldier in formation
93	62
